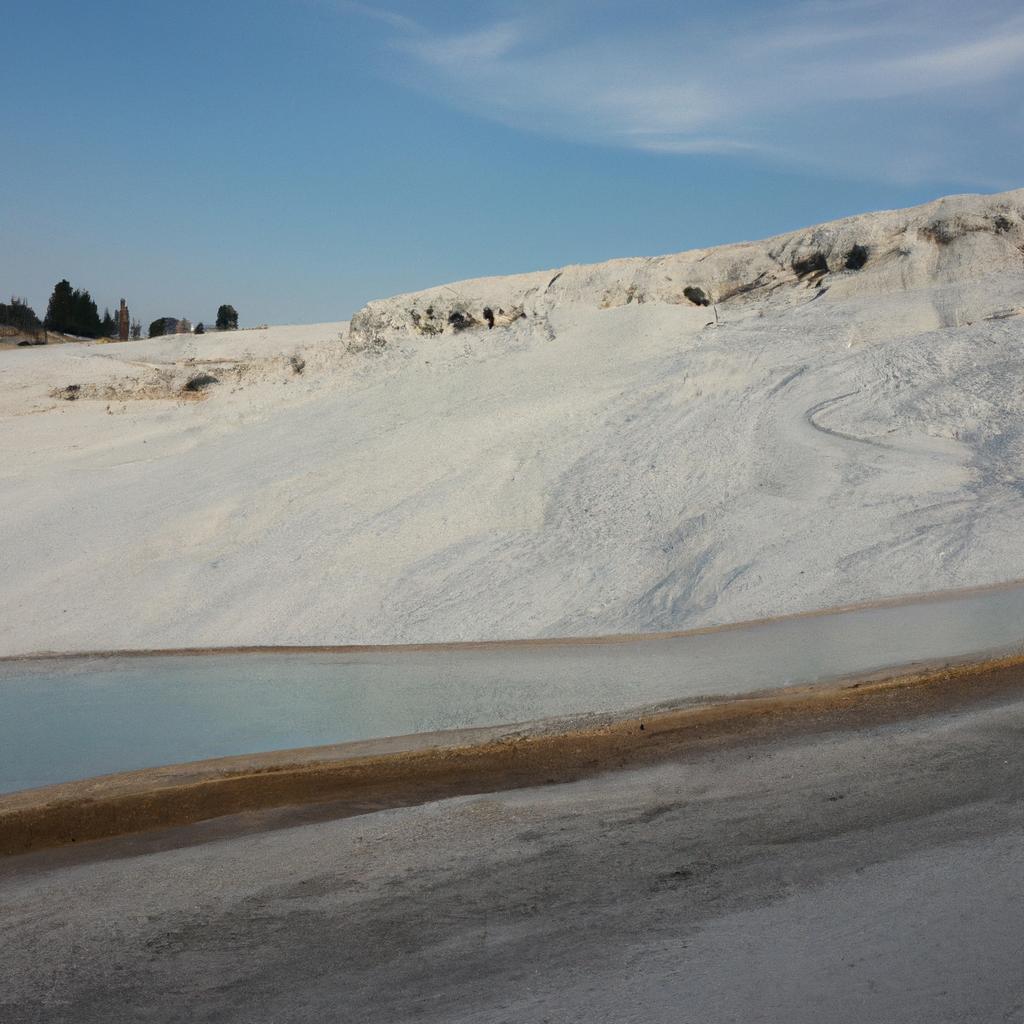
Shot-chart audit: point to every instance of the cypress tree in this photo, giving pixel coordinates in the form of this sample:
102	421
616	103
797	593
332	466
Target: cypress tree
87	317
71	311
59	310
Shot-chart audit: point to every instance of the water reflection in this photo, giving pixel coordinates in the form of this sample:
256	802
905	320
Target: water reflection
66	719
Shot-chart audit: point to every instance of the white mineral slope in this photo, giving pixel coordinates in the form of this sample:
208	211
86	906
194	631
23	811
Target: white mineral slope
600	461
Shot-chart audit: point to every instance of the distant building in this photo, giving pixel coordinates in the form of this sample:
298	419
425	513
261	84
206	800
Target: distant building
123	323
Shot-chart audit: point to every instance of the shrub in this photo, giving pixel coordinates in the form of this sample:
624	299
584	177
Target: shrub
813	264
200	381
459	321
856	257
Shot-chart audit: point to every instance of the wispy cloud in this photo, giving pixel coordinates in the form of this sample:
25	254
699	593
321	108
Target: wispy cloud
990	58
458	52
386	17
904	90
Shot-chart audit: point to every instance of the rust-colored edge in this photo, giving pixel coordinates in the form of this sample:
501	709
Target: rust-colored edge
184	794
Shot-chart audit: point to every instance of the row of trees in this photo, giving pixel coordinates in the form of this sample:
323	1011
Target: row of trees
18	313
72	311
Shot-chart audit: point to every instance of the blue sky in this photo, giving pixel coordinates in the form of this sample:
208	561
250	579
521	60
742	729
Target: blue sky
297	158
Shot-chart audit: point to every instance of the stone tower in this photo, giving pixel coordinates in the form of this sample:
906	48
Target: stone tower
122	322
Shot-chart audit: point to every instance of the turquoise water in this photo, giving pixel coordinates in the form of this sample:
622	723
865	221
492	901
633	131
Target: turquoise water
63	719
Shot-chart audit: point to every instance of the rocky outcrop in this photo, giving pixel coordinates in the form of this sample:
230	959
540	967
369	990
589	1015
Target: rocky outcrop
958	238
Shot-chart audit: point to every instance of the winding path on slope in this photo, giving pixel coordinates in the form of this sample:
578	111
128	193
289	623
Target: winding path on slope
811	416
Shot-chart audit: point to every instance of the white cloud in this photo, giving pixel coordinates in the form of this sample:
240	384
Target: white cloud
391	18
981	60
877	88
456	51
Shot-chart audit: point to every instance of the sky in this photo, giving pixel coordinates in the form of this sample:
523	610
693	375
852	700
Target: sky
298	158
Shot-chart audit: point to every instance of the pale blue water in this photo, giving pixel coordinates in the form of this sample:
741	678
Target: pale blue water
68	719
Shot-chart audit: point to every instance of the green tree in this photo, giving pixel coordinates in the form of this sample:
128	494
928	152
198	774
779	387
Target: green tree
18	313
107	325
156	328
60	310
227	318
200	328
71	311
87	317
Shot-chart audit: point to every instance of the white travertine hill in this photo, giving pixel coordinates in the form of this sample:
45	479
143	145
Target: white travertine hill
600	461
956	239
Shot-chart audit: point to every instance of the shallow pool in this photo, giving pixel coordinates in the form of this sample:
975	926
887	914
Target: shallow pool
63	719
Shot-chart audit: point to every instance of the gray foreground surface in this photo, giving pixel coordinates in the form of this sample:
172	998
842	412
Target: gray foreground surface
871	876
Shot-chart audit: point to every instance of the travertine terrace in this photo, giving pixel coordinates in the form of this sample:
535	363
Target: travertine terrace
843	420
